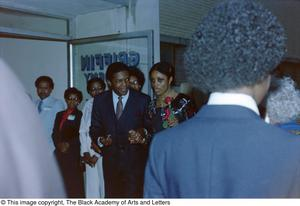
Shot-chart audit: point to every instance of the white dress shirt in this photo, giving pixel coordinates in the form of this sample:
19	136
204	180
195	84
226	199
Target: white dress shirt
49	108
116	99
218	98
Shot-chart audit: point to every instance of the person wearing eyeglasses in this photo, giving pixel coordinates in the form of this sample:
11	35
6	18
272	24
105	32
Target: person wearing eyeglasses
94	182
136	78
67	145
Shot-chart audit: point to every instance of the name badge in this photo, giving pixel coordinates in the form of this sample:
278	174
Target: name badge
47	108
71	117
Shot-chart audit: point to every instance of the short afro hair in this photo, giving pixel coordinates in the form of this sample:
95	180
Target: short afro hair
134	71
93	80
73	90
44	79
237	44
114	68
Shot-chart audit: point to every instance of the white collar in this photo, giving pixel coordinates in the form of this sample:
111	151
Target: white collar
218	98
115	96
115	99
47	99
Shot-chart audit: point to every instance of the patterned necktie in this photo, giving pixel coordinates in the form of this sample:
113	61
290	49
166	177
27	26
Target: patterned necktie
119	109
40	106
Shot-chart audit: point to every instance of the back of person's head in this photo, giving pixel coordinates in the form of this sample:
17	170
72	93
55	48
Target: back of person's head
134	71
93	80
115	68
44	79
164	68
283	101
73	90
237	44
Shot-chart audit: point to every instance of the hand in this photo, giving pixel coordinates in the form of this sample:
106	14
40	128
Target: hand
63	147
106	141
135	137
96	148
173	122
93	160
87	158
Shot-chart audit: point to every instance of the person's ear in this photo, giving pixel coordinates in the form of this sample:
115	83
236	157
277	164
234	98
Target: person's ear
170	80
108	83
268	81
261	88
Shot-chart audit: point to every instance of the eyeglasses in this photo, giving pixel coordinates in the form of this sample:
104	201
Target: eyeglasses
96	89
135	82
73	99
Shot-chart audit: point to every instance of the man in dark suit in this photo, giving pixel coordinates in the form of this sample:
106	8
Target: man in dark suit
227	150
119	122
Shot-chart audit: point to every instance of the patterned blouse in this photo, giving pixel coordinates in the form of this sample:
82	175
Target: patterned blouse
182	108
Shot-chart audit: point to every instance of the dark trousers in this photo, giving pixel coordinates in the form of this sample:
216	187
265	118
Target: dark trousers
123	168
72	174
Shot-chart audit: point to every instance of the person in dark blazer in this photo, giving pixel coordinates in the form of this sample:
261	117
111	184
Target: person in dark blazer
119	124
227	150
67	144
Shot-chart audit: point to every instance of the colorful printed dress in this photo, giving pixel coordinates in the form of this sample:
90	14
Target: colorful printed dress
181	108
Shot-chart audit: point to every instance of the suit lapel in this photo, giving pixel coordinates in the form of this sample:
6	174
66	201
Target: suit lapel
111	109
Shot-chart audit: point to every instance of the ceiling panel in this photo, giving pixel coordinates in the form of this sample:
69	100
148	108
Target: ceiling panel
62	8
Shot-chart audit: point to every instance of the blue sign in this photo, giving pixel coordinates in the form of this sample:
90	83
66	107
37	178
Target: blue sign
93	65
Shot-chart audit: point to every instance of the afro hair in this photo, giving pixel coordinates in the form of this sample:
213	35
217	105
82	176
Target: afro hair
237	44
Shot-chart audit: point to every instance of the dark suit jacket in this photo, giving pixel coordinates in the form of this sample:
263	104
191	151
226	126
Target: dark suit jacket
123	163
104	122
223	152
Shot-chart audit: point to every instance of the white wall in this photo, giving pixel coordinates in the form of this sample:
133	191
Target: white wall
144	15
32	58
33	23
101	23
140	16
